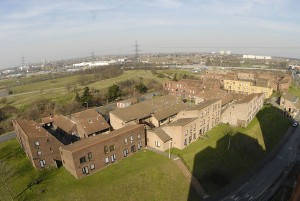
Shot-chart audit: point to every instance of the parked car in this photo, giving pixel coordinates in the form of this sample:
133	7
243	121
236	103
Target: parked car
295	124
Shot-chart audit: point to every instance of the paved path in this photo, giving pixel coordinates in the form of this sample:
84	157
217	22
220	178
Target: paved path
6	137
186	172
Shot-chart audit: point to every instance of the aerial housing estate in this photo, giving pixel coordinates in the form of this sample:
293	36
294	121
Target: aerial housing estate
84	142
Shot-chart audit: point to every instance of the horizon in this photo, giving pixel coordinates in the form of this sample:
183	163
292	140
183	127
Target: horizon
55	30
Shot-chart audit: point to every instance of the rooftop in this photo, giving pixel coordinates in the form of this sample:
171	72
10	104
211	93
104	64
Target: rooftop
248	98
202	105
181	122
162	134
161	107
87	142
32	128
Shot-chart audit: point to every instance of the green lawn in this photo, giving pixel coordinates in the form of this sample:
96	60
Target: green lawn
294	90
220	159
143	176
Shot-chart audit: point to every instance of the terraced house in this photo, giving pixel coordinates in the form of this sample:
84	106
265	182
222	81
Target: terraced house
189	125
247	87
40	146
91	154
243	111
153	113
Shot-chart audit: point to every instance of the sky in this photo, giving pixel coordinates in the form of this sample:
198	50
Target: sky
59	29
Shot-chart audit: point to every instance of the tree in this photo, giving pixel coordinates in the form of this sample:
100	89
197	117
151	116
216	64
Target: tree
141	87
86	96
113	92
175	77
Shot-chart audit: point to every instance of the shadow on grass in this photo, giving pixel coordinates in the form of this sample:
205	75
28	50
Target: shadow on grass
235	156
219	167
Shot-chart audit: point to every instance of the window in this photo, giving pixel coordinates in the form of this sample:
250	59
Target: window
125	152
138	136
125	140
105	149
157	144
92	166
39	153
82	159
37	143
133	148
111	148
186	132
131	139
85	170
140	145
185	141
113	158
48	140
90	156
42	163
106	160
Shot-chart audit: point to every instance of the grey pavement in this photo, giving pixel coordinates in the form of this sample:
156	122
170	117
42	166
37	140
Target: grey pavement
264	182
8	136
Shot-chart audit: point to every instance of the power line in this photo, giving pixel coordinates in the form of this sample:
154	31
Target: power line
136	51
23	60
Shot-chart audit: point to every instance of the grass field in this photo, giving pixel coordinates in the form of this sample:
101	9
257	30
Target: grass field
143	176
294	90
222	159
56	91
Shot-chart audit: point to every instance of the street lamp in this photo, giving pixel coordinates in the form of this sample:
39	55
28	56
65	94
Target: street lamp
170	148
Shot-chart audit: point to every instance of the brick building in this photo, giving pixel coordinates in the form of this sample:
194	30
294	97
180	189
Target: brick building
243	111
290	104
81	124
188	126
41	147
246	87
153	113
183	88
91	154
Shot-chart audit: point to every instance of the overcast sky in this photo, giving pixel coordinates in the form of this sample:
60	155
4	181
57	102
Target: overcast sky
62	29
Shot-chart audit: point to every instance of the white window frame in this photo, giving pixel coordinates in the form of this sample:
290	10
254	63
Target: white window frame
39	153
106	160
37	143
92	166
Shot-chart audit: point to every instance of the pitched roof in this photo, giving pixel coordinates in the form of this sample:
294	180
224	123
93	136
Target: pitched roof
294	99
32	128
181	122
248	98
216	94
87	142
202	105
162	134
64	123
168	111
90	121
163	106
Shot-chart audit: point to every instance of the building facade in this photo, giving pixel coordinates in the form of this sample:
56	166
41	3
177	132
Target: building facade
246	87
183	88
290	104
188	126
152	113
242	112
41	147
89	155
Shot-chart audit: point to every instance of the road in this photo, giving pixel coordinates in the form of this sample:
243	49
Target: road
7	137
260	186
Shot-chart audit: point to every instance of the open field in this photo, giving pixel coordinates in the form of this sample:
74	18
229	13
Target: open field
143	176
56	90
221	159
